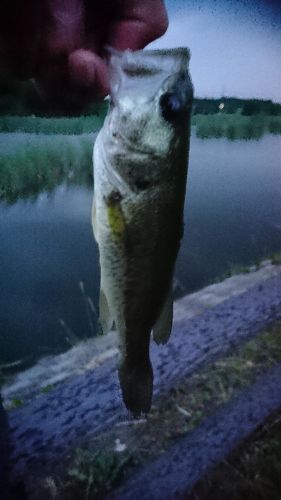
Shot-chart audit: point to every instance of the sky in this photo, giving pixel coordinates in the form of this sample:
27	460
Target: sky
235	45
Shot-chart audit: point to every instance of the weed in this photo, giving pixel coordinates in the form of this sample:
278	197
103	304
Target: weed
91	475
276	259
47	388
16	403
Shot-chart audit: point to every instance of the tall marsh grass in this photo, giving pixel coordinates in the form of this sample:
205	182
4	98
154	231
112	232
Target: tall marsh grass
235	126
43	162
39	125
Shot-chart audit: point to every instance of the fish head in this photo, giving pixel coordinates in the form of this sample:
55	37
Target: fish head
151	100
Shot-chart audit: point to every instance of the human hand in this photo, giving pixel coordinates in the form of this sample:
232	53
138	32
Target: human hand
61	43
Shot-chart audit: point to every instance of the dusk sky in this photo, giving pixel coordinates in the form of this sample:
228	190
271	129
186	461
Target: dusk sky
235	46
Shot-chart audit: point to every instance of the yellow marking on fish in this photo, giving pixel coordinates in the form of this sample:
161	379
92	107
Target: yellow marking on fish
116	220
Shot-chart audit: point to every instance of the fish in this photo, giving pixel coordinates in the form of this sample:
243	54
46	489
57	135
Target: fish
140	163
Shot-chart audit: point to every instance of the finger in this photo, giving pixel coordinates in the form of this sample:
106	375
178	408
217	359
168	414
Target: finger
89	70
137	23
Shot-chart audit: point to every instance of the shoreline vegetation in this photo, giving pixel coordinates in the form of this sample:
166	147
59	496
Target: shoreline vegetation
32	164
40	152
233	126
213	115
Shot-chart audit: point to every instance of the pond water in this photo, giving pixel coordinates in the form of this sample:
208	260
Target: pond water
49	270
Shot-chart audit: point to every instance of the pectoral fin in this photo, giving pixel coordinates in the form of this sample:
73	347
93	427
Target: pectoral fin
163	326
94	220
105	317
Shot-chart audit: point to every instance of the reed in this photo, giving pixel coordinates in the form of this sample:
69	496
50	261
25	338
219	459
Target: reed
235	126
43	162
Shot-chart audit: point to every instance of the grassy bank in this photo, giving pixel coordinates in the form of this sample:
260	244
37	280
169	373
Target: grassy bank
274	258
235	126
93	472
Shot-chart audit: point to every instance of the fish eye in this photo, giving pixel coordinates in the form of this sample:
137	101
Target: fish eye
170	104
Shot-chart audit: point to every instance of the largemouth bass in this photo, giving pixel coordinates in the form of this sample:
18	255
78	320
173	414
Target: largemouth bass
140	167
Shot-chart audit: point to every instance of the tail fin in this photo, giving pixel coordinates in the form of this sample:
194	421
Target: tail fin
163	326
137	385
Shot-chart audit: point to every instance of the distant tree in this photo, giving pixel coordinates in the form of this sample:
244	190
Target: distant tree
251	108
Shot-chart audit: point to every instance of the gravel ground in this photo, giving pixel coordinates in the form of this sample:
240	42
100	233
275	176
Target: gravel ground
44	430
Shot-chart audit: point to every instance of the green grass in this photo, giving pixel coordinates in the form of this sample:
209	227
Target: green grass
252	471
276	259
90	476
65	125
255	266
235	126
42	163
219	382
16	403
47	388
94	474
233	271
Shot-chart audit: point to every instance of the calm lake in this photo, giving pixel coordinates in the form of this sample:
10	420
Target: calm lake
49	270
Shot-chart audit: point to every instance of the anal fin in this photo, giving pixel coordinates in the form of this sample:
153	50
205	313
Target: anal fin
163	326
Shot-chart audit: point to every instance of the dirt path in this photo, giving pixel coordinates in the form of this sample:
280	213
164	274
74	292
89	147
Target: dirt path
45	429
